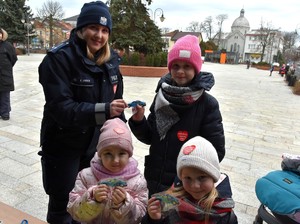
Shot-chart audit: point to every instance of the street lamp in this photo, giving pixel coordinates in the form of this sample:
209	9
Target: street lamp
160	14
27	25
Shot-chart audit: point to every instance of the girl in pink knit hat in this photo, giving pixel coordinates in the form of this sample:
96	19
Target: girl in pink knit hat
112	190
201	194
181	109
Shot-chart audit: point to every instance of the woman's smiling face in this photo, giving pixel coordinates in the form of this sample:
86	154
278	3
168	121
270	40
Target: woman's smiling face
96	36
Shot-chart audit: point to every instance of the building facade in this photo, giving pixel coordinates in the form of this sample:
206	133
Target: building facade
243	44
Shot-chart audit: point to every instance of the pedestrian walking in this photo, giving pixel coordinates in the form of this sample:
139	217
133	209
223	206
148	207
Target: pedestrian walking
271	69
248	64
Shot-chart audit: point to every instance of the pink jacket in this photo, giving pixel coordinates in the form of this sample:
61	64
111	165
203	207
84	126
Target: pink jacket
85	209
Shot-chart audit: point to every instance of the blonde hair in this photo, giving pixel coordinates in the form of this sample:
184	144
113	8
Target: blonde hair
104	51
4	34
206	202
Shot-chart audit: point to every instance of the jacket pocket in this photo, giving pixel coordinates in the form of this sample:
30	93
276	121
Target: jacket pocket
83	88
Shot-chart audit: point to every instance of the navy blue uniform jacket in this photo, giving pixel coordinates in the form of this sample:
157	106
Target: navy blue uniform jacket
77	94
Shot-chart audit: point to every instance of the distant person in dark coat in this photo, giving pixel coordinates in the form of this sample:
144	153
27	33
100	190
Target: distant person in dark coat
248	64
8	58
271	69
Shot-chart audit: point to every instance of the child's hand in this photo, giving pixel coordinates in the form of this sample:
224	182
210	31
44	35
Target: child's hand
138	113
154	208
118	196
100	193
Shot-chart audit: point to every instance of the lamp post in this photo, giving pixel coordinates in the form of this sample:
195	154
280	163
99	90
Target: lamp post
27	25
160	14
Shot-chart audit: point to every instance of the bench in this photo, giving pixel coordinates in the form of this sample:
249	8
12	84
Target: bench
10	215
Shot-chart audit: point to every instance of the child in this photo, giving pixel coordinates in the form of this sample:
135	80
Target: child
182	108
112	189
202	195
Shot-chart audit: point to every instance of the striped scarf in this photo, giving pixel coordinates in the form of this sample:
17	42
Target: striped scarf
188	212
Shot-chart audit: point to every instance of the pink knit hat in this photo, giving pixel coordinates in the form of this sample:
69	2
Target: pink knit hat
115	132
186	49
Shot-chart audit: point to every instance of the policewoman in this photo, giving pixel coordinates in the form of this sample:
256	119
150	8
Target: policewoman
83	88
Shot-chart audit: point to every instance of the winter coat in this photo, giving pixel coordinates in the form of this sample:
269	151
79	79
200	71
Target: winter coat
202	118
78	93
189	212
8	59
85	209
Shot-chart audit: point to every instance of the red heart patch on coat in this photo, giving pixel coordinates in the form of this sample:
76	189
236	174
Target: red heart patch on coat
182	135
188	149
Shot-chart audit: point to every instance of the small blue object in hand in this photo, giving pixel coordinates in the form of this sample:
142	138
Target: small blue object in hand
136	102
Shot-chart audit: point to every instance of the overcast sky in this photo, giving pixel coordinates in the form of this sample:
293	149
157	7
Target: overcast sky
283	15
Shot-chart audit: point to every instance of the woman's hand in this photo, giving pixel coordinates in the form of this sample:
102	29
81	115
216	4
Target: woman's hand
101	193
154	208
117	107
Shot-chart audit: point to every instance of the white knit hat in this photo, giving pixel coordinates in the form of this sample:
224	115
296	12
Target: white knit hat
201	154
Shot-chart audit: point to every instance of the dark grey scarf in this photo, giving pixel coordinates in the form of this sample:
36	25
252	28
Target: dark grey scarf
167	97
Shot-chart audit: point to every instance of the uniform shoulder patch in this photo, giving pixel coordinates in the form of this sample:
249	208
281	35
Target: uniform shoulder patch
59	46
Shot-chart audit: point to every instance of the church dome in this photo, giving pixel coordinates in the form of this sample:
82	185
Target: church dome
241	23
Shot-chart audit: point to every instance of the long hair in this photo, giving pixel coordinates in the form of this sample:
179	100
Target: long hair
104	53
4	34
205	203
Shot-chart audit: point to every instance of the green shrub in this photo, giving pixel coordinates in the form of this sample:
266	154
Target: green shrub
164	59
157	60
153	60
149	60
263	64
125	60
135	59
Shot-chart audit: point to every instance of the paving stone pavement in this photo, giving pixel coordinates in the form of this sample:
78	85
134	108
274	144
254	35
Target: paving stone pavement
261	120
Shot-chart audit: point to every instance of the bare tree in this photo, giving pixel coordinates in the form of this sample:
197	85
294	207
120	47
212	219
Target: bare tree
289	40
207	27
50	12
266	37
194	27
221	18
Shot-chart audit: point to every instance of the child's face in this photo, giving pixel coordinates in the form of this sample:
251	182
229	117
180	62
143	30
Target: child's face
114	158
182	72
196	182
